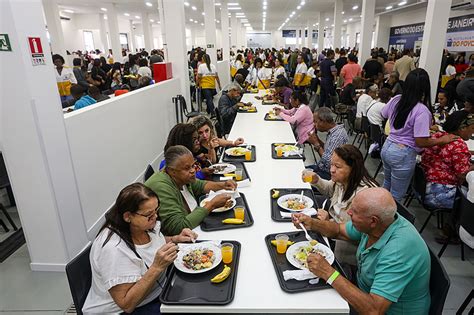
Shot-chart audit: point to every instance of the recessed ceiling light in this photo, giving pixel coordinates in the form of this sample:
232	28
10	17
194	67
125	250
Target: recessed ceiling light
217	4
137	17
302	3
298	7
126	14
355	7
202	24
152	21
317	23
332	25
203	13
350	19
104	9
191	20
186	4
264	7
345	21
218	21
105	17
327	19
194	8
149	4
234	8
69	11
402	3
232	3
389	7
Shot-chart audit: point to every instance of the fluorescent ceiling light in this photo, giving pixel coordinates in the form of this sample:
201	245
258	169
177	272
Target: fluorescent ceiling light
194	8
232	3
202	24
402	3
343	12
389	7
355	7
104	9
195	21
298	7
217	4
137	17
186	4
105	17
264	2
302	3
152	21
332	25
264	7
68	11
126	14
234	8
203	13
191	20
218	21
317	23
246	24
327	19
149	4
350	19
345	21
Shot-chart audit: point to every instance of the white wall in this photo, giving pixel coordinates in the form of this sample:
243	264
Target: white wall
223	70
113	142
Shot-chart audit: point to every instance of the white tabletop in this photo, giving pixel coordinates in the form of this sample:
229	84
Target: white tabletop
470	144
257	288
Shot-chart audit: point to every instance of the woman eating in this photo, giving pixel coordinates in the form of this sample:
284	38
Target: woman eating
179	191
300	115
130	255
348	177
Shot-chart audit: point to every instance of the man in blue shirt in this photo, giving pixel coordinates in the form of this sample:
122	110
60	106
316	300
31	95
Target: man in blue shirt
393	260
328	71
82	99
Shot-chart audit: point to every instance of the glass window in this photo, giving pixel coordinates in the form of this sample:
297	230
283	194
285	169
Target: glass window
88	40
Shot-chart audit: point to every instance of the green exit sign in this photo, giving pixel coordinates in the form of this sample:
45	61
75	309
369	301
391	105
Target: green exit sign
5	43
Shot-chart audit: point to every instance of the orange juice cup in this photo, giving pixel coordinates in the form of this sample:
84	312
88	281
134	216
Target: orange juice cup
239	212
227	250
307	176
282	243
279	151
248	155
238	174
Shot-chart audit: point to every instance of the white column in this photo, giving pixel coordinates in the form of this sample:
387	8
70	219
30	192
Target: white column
338	8
147	34
114	32
53	22
175	42
320	32
367	26
382	31
309	39
225	30
35	146
193	36
234	35
131	41
300	40
103	33
210	29
434	38
163	28
242	35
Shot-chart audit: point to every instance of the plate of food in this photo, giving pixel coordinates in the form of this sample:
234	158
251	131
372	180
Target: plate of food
223	168
287	147
250	108
236	151
292	203
198	258
297	254
230	204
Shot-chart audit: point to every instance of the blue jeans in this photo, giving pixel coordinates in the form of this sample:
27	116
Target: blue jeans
208	94
399	163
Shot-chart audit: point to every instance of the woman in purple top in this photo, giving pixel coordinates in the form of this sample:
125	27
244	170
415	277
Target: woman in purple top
283	92
300	115
410	121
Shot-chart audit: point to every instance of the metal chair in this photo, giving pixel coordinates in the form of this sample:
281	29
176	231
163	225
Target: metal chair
404	212
79	276
5	183
376	136
182	109
439	285
148	172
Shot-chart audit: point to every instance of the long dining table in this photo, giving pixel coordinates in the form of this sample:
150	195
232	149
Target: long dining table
257	288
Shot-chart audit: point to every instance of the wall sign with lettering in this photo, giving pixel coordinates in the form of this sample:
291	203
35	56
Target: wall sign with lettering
36	50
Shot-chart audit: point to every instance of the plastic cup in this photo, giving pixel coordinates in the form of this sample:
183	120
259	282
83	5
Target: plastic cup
227	250
238	174
279	151
282	243
248	155
307	176
239	212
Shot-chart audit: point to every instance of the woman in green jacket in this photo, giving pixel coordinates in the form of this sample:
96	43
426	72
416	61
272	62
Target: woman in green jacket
178	190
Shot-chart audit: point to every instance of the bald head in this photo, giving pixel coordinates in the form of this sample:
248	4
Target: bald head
377	202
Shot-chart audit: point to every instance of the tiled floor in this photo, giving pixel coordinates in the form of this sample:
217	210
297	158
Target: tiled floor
25	292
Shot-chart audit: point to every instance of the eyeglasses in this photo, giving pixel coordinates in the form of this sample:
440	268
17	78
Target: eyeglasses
150	216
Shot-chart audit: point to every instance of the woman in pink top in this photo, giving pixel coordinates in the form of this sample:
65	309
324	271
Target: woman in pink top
299	115
350	70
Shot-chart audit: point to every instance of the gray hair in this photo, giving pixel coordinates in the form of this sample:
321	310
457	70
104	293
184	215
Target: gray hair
174	153
235	87
200	121
380	203
325	114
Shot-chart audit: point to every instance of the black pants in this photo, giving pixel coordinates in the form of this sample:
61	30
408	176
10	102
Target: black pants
327	91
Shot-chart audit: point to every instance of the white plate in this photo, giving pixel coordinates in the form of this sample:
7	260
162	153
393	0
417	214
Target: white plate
282	202
178	263
290	252
229	168
288	148
231	152
221	209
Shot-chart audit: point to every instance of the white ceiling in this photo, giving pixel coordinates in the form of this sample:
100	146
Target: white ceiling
276	13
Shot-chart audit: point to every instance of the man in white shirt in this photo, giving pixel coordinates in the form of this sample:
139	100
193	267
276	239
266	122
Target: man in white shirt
374	110
365	100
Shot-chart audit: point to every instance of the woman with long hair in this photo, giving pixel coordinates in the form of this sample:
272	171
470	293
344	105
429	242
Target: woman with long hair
130	255
410	120
206	78
348	177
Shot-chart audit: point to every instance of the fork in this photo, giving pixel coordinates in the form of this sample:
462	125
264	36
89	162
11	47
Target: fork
309	238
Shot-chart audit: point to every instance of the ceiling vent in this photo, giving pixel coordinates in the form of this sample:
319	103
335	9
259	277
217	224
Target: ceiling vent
463	5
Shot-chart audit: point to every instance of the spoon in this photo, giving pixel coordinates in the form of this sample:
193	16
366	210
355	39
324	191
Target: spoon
324	204
301	196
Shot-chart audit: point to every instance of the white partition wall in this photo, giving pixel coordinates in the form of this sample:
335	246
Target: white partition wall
113	142
223	70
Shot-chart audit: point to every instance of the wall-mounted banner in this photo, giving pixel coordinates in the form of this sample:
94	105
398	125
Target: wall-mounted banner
459	37
292	33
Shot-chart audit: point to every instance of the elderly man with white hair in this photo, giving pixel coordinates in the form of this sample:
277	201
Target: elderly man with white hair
393	260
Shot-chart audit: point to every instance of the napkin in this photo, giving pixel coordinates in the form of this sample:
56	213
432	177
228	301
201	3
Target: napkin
310	212
288	153
182	246
234	194
223	178
243	183
299	275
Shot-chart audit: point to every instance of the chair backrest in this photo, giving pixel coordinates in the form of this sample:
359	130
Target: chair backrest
466	213
419	183
364	124
220	126
404	212
79	276
4	181
439	285
375	134
182	104
148	172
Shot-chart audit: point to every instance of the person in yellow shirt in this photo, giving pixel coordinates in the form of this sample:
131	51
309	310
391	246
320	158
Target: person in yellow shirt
206	79
64	78
261	76
301	79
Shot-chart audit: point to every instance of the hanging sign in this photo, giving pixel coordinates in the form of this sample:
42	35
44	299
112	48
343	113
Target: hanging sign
36	49
5	43
210	45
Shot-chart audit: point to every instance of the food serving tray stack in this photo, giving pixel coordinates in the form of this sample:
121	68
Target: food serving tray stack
197	289
280	263
213	222
241	158
275	208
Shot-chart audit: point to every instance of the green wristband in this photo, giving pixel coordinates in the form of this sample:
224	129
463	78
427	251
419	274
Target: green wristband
333	277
